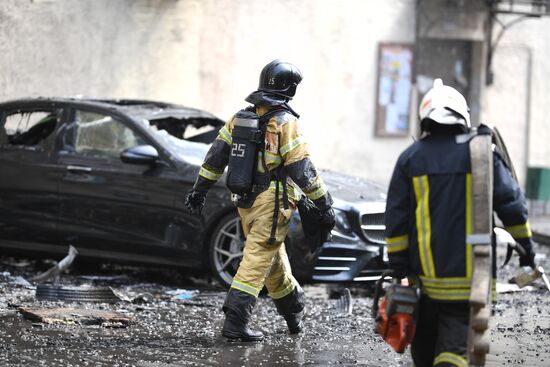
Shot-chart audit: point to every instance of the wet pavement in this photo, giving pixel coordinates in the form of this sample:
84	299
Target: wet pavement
186	332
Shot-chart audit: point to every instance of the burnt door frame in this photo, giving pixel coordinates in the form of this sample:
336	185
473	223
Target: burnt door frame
29	176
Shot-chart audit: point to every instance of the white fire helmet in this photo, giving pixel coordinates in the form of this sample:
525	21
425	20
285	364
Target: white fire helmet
444	105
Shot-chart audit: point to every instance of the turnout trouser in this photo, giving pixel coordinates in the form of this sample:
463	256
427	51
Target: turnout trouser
441	334
262	263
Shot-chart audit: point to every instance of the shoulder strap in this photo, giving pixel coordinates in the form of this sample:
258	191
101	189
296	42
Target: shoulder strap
279	174
264	119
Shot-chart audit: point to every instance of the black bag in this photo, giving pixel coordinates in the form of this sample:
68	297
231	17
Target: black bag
315	232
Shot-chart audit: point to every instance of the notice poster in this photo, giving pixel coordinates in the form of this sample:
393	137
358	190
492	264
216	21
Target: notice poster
394	86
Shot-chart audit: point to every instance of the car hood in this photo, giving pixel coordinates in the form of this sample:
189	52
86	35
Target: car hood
352	189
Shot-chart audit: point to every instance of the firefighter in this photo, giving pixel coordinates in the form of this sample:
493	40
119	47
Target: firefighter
265	211
428	218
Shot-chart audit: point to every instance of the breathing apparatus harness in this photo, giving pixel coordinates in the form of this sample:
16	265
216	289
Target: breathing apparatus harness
243	178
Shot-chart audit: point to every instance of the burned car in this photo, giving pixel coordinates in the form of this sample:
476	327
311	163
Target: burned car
109	177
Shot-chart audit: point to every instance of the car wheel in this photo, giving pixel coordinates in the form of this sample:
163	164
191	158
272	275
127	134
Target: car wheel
226	248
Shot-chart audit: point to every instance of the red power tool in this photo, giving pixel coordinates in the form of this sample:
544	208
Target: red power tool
396	312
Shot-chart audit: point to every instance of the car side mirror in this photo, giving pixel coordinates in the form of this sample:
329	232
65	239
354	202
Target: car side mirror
141	154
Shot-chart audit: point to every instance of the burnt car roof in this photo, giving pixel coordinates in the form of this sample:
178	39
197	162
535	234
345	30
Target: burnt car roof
137	108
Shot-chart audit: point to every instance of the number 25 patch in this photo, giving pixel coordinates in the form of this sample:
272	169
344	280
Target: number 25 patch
238	150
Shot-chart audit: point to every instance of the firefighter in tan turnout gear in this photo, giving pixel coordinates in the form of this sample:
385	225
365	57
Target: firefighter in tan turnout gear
429	223
264	180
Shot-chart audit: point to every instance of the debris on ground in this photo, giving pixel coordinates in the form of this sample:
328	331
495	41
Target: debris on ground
512	288
103	278
18	279
55	271
544	277
16	263
22	281
132	297
344	304
529	277
72	315
525	278
182	293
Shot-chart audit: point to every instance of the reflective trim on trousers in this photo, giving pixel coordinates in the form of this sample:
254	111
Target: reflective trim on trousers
451	358
284	292
246	288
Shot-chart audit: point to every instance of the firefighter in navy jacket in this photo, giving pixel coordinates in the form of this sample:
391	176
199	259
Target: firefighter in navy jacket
428	218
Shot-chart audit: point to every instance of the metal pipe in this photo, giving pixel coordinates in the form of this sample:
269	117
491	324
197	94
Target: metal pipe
528	85
528	109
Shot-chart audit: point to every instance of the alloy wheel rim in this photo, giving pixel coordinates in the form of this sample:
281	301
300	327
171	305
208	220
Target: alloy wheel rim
228	249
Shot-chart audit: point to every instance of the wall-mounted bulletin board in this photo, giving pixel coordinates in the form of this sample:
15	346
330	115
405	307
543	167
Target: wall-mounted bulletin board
395	64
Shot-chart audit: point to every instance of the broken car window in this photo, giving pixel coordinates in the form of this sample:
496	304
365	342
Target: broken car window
98	135
31	128
191	152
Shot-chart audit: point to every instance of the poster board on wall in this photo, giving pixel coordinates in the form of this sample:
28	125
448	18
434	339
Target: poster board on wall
394	87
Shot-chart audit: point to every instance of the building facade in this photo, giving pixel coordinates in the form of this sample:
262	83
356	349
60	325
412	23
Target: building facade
208	54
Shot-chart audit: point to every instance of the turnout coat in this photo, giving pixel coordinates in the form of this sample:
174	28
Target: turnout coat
429	214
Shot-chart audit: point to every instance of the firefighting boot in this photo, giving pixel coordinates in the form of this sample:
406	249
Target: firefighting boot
292	308
238	309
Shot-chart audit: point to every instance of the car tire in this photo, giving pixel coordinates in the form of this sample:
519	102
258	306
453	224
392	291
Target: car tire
226	248
50	292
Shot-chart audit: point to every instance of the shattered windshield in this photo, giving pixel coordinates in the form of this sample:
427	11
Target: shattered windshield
190	151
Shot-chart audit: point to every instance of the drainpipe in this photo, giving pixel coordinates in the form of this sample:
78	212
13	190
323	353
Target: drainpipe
528	84
529	51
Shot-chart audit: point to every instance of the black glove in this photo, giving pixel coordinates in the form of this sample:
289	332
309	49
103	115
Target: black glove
317	223
328	219
327	222
528	259
194	201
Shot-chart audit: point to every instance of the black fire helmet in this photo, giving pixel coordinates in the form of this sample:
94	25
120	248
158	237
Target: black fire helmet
280	77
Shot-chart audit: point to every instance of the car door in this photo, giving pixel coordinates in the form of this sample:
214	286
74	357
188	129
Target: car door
111	209
28	178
